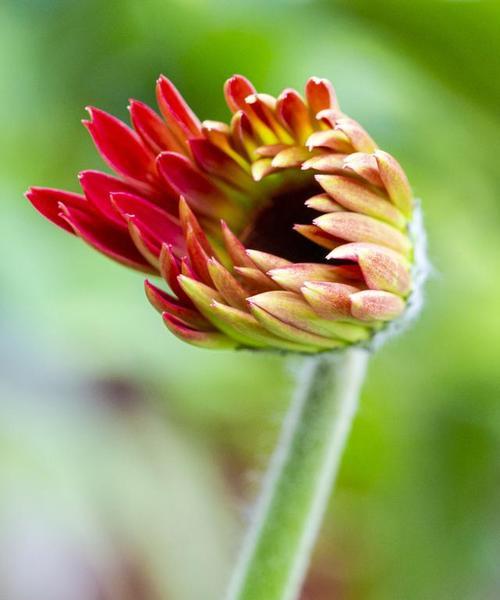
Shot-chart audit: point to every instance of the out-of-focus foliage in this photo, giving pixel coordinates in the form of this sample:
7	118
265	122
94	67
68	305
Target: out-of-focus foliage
127	458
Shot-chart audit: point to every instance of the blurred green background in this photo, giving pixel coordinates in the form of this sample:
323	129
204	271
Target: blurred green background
128	460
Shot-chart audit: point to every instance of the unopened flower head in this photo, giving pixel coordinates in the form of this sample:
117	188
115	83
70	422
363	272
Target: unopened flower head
287	228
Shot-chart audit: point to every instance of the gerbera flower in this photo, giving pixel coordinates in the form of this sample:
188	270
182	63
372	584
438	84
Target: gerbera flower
286	228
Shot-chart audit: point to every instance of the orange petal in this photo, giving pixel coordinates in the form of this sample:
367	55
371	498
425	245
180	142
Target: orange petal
232	292
320	95
365	166
358	137
294	114
395	181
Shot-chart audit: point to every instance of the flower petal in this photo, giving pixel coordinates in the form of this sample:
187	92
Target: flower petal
260	110
365	166
326	163
198	257
358	137
355	227
200	193
161	225
178	115
255	280
215	161
97	187
120	146
323	203
105	238
263	167
376	305
203	339
145	241
292	278
265	261
47	202
170	270
289	332
232	292
294	114
244	325
220	135
235	248
244	136
358	198
383	268
331	139
292	310
293	156
164	303
236	89
329	300
152	129
200	294
395	181
318	236
320	95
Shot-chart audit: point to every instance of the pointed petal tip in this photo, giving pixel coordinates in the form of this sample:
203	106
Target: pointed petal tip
344	252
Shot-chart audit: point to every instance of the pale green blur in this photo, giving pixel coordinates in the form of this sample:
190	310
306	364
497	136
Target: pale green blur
127	459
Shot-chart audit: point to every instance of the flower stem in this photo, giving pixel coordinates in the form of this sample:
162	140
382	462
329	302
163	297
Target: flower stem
296	490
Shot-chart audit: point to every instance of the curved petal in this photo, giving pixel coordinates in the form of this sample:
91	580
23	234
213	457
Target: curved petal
120	146
152	129
47	202
179	116
107	239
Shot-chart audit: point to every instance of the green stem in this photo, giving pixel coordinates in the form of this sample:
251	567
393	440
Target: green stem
296	490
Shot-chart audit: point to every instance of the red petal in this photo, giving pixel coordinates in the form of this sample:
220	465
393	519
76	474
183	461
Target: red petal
170	270
244	135
180	118
187	181
47	202
198	257
145	241
294	114
204	339
164	227
107	239
120	146
189	220
98	187
164	302
215	161
236	89
152	129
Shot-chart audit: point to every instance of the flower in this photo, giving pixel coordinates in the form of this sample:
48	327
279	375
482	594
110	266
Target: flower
286	229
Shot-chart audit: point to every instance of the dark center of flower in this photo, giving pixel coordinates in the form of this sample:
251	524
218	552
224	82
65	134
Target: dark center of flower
272	229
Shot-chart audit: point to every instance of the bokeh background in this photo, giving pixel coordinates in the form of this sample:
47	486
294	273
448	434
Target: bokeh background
128	461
